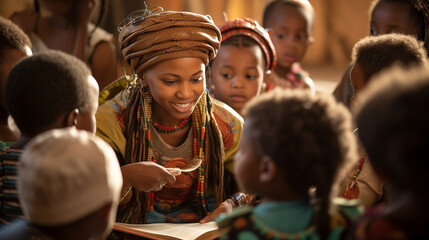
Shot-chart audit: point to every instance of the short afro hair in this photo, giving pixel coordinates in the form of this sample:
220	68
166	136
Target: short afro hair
393	127
375	53
41	88
11	38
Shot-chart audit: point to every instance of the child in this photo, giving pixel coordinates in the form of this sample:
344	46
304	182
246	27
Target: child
401	16
166	118
69	184
371	55
245	60
14	45
293	143
65	26
46	91
290	23
393	126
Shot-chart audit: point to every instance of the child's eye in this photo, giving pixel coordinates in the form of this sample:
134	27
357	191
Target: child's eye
301	37
251	77
226	75
280	36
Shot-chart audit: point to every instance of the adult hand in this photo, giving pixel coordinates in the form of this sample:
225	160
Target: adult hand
146	176
26	20
225	207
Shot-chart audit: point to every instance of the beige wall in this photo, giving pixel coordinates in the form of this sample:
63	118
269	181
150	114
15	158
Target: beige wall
339	23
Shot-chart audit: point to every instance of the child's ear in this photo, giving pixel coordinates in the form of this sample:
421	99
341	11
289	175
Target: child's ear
266	80
72	118
268	169
310	41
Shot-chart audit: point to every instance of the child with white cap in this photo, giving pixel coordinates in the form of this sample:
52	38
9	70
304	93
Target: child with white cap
69	186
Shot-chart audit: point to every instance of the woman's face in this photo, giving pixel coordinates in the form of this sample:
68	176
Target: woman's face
176	85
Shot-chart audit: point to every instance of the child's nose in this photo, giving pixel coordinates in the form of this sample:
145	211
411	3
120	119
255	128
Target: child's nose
238	82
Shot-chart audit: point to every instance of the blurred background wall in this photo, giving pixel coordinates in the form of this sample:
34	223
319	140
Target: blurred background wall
339	24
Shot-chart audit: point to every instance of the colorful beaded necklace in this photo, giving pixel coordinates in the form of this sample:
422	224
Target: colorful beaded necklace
164	129
199	118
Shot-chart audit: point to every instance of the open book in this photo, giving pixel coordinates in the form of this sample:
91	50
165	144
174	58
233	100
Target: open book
186	231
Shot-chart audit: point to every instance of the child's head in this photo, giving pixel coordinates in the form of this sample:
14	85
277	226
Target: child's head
291	26
373	54
51	90
393	127
169	51
243	64
70	180
293	140
401	16
14	45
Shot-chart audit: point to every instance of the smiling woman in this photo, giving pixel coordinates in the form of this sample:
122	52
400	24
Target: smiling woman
165	114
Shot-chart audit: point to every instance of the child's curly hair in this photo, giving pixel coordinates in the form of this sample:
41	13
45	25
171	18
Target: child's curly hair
309	137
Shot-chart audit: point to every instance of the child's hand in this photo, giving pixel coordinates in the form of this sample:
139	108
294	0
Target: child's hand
146	176
225	207
26	20
84	11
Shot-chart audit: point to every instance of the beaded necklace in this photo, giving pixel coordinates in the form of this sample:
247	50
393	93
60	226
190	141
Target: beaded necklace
199	130
164	129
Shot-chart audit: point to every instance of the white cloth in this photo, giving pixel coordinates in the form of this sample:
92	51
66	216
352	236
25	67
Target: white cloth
67	174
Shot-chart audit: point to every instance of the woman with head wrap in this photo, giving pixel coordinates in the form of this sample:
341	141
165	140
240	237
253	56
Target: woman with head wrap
164	119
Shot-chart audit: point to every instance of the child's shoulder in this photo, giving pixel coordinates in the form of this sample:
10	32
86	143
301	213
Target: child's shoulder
238	214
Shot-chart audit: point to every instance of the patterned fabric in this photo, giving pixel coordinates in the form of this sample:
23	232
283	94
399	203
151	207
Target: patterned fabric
248	223
110	128
296	78
373	225
250	28
4	145
9	202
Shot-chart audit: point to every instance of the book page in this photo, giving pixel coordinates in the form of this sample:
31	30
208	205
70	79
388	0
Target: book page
187	231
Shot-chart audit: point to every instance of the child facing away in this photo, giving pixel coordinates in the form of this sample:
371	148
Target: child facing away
292	147
409	17
68	187
14	45
244	63
290	23
371	55
45	91
393	127
65	25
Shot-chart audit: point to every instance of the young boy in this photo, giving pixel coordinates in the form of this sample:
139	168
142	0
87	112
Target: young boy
45	91
69	184
293	143
372	55
290	23
401	16
14	45
393	126
243	65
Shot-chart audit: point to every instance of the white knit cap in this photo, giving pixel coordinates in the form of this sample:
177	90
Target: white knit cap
65	175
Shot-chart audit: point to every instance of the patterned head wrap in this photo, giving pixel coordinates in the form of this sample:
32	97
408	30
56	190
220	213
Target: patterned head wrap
152	37
423	7
250	28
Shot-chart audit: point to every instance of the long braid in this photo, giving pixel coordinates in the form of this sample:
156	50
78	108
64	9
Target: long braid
206	147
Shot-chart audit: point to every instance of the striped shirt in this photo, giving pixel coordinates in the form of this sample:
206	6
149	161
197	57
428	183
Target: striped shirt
10	208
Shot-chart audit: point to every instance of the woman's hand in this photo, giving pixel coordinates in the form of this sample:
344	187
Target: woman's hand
225	207
146	176
26	20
